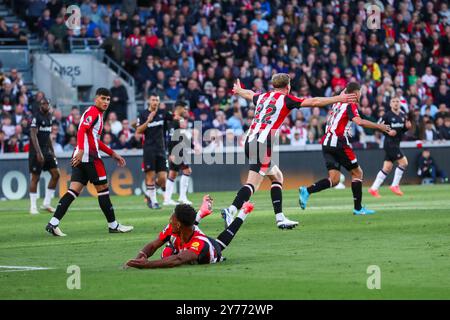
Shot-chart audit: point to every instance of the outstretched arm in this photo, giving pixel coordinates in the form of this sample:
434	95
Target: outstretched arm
244	93
184	257
372	125
325	101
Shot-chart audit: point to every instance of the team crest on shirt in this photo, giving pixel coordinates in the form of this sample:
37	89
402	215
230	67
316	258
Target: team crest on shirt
88	120
195	245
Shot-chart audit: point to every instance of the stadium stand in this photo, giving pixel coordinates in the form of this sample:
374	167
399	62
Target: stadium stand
194	50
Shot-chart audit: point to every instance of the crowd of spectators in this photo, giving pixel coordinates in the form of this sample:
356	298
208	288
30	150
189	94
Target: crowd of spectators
193	51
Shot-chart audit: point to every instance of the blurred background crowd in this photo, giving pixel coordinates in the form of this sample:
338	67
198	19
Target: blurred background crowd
192	51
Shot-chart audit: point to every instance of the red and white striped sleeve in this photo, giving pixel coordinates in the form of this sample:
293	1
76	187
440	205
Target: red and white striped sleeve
87	121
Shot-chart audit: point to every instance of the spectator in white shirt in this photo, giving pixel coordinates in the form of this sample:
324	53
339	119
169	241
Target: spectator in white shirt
429	78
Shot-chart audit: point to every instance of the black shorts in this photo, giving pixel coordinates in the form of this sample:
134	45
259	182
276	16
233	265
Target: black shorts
90	171
154	160
335	157
393	153
178	167
259	155
35	167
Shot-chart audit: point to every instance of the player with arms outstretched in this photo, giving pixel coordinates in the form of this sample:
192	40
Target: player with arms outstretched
338	152
271	109
186	243
399	123
42	156
87	165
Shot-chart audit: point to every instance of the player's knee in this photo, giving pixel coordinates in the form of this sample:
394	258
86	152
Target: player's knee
404	163
335	179
357	173
55	176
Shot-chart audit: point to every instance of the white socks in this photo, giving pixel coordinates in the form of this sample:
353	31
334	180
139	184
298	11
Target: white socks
242	215
398	176
233	210
49	193
378	180
112	225
54	221
151	193
280	216
381	176
33	199
184	184
169	189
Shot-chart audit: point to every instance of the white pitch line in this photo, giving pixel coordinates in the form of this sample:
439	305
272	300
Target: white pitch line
22	268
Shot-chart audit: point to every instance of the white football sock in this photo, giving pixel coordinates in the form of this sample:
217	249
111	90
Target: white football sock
242	215
169	189
280	216
151	193
378	180
398	176
113	224
233	210
54	221
49	193
33	199
184	184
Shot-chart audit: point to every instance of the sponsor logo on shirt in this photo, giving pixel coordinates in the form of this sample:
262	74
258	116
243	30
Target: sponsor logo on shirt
45	129
397	125
195	245
155	124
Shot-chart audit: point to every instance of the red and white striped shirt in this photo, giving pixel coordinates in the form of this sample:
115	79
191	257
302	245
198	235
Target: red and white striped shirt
88	136
338	124
271	109
199	243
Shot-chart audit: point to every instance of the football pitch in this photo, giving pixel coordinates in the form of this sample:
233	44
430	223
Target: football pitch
326	257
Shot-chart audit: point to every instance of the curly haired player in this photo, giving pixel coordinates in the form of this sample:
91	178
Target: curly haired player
186	243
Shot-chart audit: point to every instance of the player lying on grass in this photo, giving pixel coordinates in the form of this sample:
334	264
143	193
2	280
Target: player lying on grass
186	243
338	152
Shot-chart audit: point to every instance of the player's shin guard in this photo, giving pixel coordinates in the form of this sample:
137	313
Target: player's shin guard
320	185
243	195
169	189
277	196
184	185
228	234
398	176
105	204
357	193
379	180
33	200
63	205
151	193
49	193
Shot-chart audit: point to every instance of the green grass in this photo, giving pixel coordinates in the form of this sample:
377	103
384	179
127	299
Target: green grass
325	258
